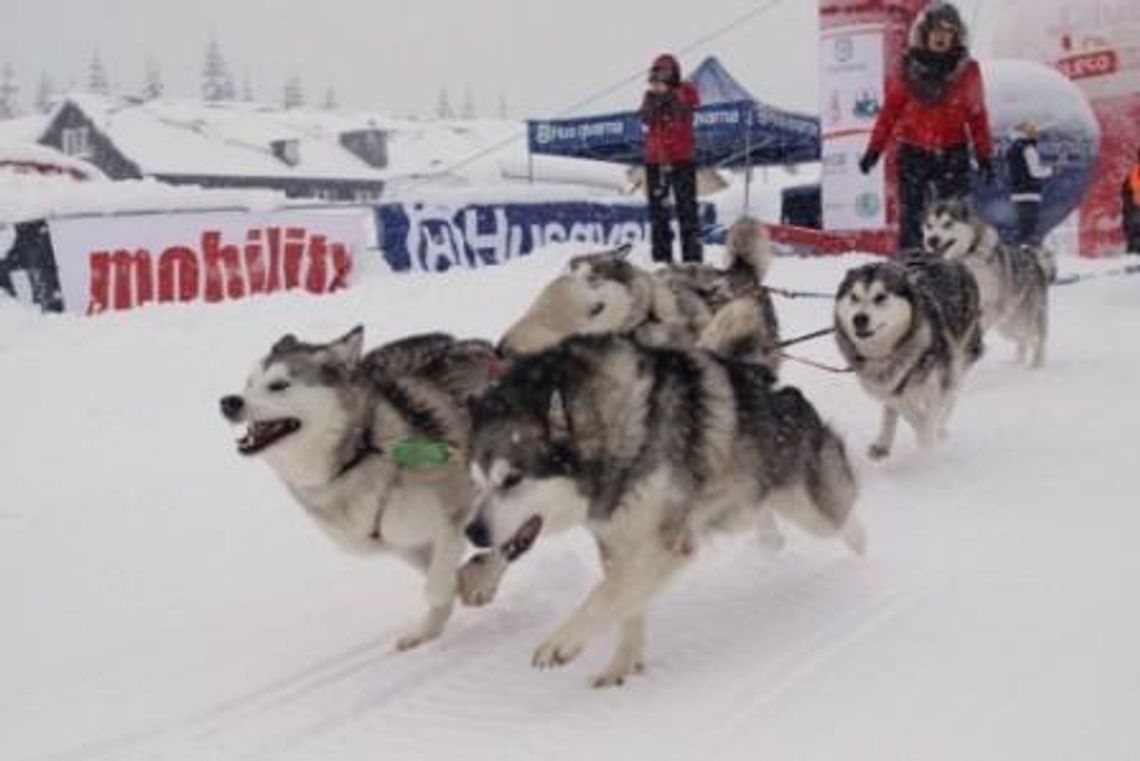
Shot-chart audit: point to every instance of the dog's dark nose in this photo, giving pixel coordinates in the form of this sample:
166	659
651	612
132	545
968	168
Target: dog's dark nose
860	321
232	406
478	533
934	243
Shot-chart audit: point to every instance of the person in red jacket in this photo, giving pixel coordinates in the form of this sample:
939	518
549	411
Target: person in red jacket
667	112
935	108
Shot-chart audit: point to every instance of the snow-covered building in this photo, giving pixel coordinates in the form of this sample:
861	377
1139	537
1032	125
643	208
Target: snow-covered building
224	145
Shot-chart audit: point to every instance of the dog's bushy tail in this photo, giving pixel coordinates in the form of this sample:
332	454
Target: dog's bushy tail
749	247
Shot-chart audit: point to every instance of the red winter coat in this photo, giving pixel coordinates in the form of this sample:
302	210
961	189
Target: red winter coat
669	137
957	119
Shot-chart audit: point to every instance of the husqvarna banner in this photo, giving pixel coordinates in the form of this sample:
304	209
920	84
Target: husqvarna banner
434	237
120	262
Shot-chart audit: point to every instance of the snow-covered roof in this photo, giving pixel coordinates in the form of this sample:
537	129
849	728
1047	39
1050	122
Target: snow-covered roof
185	137
25	197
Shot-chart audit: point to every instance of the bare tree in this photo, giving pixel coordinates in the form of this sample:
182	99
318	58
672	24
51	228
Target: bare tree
247	89
503	111
331	103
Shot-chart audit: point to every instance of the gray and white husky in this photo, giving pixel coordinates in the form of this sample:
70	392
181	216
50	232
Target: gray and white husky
1013	280
653	449
910	330
720	309
327	419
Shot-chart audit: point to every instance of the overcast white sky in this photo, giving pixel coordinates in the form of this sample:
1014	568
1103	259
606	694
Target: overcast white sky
542	55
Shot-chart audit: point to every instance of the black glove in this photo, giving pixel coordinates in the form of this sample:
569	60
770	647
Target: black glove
868	161
986	171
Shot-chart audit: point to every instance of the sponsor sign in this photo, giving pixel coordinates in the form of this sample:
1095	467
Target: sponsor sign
851	62
121	262
438	237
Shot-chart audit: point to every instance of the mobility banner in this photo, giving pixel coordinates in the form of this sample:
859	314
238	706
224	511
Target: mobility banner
120	262
432	237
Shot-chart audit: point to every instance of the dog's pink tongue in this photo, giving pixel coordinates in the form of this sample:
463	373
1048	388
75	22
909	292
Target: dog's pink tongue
523	539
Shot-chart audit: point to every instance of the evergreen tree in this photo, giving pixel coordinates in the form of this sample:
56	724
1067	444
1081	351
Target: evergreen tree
8	91
217	84
45	94
247	89
152	85
294	93
468	111
443	106
97	81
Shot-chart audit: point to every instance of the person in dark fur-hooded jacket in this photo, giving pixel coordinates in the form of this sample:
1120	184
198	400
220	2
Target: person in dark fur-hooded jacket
935	108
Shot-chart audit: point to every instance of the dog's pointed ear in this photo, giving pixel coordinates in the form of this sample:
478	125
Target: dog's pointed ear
557	418
350	347
287	342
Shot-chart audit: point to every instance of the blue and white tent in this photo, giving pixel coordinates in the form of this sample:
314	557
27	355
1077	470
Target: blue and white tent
731	129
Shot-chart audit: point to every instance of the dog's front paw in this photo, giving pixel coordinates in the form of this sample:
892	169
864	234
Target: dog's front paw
479	578
878	451
677	537
414	639
556	651
616	674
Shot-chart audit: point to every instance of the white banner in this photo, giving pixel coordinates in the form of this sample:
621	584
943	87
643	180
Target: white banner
120	262
851	95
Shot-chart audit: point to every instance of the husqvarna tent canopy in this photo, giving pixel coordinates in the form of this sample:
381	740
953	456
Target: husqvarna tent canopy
731	129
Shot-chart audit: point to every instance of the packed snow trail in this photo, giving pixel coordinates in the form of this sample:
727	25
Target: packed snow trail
166	599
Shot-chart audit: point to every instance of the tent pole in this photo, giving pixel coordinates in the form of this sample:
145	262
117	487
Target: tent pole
748	159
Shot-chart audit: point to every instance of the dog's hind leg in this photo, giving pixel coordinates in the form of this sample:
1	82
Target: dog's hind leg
442	578
628	657
882	446
1040	333
768	531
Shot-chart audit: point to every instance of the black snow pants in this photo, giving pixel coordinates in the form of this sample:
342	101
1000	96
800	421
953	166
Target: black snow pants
926	176
682	180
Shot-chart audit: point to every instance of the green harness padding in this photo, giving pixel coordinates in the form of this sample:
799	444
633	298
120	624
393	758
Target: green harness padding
422	453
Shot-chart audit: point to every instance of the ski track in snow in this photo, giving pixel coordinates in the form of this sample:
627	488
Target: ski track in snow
741	638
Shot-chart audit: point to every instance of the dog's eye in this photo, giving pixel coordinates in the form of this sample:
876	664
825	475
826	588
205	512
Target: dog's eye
879	300
510	481
278	385
597	309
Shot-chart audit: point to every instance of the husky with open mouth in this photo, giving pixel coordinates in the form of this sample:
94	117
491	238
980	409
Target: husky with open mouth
652	449
910	330
1013	281
336	425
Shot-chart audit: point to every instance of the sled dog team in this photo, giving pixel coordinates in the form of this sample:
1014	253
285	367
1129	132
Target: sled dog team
641	404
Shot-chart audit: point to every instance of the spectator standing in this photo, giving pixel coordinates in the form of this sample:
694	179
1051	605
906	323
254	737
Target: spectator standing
667	112
1027	177
935	109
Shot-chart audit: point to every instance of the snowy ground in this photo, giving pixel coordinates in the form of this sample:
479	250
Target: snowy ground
164	599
